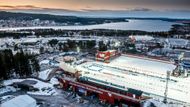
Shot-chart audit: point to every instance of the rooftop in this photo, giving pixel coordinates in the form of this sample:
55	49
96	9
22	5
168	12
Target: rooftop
132	63
143	65
174	41
140	73
20	101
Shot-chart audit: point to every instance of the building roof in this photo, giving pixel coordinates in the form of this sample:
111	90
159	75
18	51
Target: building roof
142	38
67	67
143	65
20	101
139	73
186	55
177	42
131	63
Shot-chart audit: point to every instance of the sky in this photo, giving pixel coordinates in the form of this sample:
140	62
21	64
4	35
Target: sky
98	4
70	7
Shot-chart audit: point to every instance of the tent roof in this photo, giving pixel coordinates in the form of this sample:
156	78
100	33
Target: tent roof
20	101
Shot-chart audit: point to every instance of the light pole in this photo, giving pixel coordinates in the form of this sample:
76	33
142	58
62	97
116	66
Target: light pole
166	88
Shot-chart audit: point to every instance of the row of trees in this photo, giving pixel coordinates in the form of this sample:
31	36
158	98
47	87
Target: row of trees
18	65
71	45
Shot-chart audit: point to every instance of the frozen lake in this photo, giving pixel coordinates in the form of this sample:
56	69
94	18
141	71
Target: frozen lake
144	25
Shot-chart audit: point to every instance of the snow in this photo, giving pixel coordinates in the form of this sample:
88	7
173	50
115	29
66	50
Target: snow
7	89
29	40
177	42
158	104
39	85
11	81
142	38
143	65
152	84
4	98
45	62
67	67
95	68
44	74
136	64
20	101
54	81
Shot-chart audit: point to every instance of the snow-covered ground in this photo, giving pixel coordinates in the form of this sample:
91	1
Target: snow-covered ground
44	88
154	103
46	62
20	101
44	74
54	81
11	81
7	89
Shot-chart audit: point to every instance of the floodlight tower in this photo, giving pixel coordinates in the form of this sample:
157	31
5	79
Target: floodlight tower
166	88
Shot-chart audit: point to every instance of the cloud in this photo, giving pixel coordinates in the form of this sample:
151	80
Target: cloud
88	7
8	7
123	10
90	12
33	8
141	9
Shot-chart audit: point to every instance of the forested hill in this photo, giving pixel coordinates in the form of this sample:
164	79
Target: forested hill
56	18
71	20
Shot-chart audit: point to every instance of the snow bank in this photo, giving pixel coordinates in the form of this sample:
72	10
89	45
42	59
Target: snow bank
7	89
9	82
44	88
148	103
44	74
45	62
54	81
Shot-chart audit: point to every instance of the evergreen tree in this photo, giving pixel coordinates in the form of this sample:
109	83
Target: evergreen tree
3	74
102	46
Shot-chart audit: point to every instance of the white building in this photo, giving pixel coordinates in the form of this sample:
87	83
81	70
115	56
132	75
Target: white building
20	101
139	73
141	38
176	43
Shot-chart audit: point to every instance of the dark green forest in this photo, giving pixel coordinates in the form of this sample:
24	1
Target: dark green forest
57	18
20	64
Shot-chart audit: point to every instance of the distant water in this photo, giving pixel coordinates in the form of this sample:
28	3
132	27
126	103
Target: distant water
143	25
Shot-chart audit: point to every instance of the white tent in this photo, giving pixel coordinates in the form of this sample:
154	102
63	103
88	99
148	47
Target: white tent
20	101
67	67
